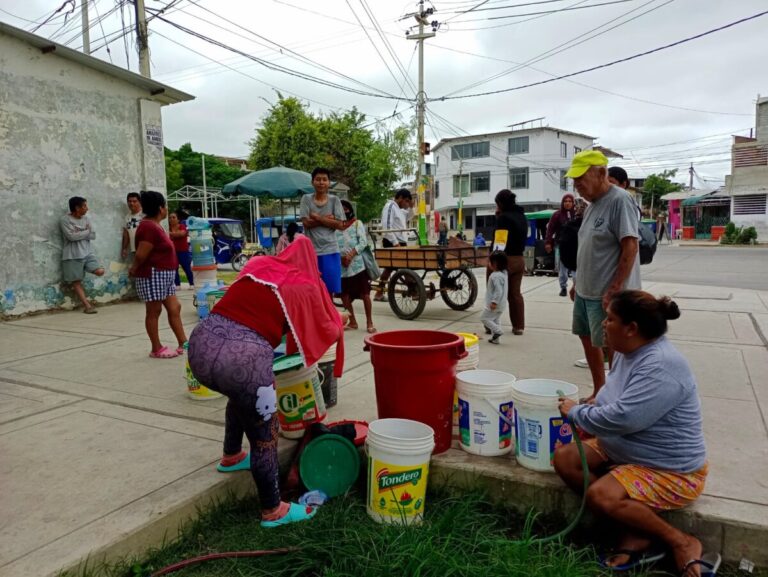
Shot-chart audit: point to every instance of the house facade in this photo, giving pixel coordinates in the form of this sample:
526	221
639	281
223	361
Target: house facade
747	185
70	125
531	162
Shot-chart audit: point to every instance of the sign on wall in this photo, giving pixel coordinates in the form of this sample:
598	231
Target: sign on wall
154	135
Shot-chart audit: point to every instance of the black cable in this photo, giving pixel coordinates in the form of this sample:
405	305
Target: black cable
545	12
612	63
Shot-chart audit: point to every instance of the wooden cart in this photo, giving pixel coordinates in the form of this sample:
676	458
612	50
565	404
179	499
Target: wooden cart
405	288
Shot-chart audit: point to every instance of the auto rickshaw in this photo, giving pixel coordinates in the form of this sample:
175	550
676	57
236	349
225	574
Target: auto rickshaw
229	239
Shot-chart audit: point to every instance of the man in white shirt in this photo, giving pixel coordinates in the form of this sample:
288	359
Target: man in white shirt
132	220
394	216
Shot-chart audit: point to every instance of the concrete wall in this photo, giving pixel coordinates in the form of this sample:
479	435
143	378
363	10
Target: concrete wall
67	130
543	154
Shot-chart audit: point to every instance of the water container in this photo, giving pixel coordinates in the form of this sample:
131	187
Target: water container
201	245
299	396
486	418
194	223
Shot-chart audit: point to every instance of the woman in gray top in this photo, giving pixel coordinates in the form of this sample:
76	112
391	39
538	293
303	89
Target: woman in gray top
648	453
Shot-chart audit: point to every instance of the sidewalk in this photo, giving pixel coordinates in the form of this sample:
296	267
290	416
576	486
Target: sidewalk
103	454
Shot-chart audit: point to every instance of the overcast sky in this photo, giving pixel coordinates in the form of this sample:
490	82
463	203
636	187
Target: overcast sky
718	77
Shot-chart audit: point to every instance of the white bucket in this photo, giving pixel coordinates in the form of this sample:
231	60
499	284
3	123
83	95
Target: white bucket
398	465
539	426
486	417
299	400
206	276
472	360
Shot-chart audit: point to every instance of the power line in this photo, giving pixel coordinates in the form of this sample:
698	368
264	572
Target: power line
613	63
571	43
504	17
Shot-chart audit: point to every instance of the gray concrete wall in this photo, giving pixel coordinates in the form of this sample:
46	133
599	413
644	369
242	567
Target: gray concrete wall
761	120
67	130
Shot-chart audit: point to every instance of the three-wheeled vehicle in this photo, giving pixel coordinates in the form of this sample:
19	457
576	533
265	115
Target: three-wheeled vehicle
269	229
229	238
538	261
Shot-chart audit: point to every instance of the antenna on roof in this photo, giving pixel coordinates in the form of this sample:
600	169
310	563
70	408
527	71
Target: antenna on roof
522	124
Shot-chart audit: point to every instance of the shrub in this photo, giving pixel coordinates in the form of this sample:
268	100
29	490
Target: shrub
738	235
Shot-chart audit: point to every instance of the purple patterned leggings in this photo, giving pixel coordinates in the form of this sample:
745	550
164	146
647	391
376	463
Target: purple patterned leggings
236	361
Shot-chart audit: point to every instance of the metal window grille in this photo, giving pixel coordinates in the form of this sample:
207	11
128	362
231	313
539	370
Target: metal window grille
749	204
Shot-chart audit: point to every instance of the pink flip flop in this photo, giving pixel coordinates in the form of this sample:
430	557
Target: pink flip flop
164	353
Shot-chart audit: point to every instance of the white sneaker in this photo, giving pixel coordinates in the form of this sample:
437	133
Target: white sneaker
583	364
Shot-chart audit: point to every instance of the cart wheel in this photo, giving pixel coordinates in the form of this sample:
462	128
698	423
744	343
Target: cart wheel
407	296
458	287
238	261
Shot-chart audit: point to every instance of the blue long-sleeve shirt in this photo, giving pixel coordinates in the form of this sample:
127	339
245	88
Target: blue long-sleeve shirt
648	413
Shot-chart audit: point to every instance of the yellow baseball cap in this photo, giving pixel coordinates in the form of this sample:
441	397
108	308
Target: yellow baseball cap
584	160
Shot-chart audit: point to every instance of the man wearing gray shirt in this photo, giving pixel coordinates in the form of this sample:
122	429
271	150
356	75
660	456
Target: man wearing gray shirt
322	215
607	260
77	257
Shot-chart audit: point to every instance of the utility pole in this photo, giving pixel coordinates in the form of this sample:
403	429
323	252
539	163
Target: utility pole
86	27
690	172
142	38
205	190
421	18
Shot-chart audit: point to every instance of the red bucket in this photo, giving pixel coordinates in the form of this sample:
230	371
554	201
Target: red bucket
415	375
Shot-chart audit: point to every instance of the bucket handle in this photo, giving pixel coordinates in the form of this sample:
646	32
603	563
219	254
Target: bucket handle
320	374
495	410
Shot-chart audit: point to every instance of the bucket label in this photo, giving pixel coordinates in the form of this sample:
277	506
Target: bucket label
397	490
560	433
528	434
196	389
464	422
486	424
506	422
297	405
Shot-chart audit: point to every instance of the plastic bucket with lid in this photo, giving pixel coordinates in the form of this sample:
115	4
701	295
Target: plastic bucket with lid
330	385
415	374
539	427
299	398
486	417
398	465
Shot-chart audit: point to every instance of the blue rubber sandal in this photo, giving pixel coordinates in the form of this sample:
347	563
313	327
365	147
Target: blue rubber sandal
295	514
709	563
244	465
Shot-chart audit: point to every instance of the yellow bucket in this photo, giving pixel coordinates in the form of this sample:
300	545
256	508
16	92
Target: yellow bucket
195	390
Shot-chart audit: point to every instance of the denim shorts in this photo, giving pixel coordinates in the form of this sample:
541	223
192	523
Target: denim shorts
588	317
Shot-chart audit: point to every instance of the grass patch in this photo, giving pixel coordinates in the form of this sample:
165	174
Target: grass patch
462	536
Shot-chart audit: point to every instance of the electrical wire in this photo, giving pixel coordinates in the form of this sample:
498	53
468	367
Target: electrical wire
504	17
612	63
103	34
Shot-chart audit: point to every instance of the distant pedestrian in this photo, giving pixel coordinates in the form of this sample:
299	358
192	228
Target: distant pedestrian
77	256
559	219
322	215
177	230
291	231
355	282
394	217
132	220
509	237
479	240
442	229
495	296
154	267
607	260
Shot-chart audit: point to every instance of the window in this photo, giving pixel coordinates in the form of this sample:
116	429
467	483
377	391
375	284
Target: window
437	189
563	180
750	204
471	150
460	185
518	145
518	178
473	182
480	182
563	149
437	160
576	150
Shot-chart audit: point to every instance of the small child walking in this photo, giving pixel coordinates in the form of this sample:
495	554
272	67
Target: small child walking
495	296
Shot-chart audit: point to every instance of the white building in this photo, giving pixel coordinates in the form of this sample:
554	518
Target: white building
531	162
748	182
70	125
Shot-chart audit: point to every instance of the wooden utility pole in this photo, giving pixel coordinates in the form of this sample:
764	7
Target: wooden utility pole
142	38
690	172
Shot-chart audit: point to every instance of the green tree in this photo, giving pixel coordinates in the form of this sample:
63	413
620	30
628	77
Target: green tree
173	172
657	185
368	162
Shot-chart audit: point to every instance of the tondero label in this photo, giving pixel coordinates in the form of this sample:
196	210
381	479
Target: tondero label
389	480
397	491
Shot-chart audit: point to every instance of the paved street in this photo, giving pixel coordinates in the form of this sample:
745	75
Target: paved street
735	267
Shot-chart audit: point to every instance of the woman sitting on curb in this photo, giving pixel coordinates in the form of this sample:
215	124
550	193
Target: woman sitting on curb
648	454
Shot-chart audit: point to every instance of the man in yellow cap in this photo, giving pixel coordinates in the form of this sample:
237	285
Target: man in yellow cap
607	260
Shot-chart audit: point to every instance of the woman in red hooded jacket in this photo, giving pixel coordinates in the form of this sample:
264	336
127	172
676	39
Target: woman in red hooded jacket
566	213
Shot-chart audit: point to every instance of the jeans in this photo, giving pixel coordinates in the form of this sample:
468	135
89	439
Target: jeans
185	262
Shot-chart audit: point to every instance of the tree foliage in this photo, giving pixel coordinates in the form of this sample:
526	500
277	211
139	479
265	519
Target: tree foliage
368	162
657	185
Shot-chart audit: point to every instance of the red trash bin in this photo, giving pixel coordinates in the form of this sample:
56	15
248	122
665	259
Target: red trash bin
415	375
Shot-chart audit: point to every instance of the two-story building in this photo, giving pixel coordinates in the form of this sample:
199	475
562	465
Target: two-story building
748	182
532	162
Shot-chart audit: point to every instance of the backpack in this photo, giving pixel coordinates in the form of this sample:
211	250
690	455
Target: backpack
568	239
647	243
